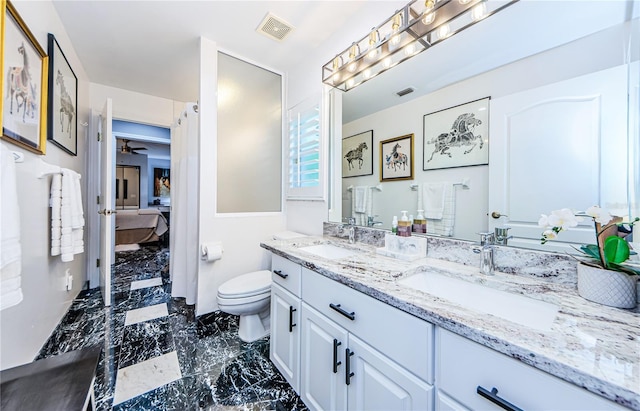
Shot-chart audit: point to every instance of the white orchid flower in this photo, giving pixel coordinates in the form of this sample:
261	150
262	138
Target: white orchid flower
549	235
599	215
564	218
543	221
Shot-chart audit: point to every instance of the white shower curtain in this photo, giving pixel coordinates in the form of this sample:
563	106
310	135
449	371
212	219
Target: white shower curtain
183	234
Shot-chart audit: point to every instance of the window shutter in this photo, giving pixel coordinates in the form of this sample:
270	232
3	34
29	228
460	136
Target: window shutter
305	153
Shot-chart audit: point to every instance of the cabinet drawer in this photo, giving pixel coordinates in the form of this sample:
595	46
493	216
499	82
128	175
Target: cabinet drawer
463	365
289	274
402	337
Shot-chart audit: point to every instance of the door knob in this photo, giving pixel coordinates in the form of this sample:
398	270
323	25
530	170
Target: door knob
496	214
107	212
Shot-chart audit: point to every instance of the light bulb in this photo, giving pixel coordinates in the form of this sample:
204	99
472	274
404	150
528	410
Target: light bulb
396	36
443	31
350	82
479	12
337	62
428	17
353	53
336	78
409	49
386	63
367	74
464	1
429	5
374	51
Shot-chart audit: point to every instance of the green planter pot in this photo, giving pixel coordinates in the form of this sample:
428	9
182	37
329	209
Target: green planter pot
607	287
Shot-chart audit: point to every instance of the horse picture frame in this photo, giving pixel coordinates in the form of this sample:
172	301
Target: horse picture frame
24	96
62	120
457	136
357	155
396	158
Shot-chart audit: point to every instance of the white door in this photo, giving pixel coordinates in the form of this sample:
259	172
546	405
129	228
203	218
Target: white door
558	146
285	334
380	384
322	366
107	201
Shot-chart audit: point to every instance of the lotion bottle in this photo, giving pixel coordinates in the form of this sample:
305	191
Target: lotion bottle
404	225
420	223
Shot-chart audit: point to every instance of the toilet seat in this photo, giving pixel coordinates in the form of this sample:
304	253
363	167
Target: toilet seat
231	301
251	286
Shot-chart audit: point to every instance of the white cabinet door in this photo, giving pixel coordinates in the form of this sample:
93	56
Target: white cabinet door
556	146
322	367
378	383
284	349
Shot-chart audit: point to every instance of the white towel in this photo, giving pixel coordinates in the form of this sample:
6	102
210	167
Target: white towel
67	215
10	248
444	225
360	199
433	200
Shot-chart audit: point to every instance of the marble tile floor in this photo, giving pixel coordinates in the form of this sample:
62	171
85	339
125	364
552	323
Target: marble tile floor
158	356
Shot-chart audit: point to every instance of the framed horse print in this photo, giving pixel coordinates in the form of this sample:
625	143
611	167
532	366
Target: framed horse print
396	158
24	96
457	136
357	155
62	121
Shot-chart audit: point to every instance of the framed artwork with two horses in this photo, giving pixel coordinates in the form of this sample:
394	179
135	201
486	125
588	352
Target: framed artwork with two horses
357	155
396	158
24	96
457	136
62	121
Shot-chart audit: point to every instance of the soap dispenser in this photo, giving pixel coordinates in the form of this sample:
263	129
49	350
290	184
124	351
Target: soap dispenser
404	225
420	223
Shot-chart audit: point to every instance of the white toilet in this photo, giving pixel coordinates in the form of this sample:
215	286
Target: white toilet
249	296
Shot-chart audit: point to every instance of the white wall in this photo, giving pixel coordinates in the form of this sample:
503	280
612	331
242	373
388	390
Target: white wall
240	234
24	328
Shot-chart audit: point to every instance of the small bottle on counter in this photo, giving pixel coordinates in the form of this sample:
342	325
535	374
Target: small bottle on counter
420	223
404	225
394	225
411	221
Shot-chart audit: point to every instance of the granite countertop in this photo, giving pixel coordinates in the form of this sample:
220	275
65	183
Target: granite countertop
590	345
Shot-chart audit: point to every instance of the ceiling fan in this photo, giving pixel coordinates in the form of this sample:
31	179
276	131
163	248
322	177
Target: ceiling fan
125	149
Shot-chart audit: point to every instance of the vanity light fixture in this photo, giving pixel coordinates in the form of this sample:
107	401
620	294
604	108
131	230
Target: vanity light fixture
416	27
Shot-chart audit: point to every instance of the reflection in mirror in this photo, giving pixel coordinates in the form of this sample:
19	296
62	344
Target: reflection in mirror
560	121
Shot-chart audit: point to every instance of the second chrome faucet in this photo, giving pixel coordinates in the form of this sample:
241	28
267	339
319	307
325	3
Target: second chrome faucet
485	249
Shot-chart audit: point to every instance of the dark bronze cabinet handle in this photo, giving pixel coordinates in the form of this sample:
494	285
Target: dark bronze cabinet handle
291	324
348	374
336	344
493	397
349	315
280	274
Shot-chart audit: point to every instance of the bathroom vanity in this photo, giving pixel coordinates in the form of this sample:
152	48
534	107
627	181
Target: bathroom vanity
353	330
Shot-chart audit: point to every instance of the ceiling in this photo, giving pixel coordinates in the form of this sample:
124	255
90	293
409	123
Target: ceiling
151	47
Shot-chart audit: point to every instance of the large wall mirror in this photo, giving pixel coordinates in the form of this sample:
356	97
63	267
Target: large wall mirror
559	127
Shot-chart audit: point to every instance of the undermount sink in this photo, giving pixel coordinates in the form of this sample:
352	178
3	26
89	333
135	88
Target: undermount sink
513	307
328	251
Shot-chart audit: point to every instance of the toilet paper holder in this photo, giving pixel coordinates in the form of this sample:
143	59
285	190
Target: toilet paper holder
211	251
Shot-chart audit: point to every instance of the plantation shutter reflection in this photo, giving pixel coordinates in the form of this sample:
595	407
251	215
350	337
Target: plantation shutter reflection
304	151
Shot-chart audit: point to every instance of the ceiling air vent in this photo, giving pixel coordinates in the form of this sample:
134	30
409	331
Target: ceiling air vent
274	27
406	91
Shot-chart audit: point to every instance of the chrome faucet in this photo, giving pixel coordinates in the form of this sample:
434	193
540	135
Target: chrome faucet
351	225
371	222
501	235
485	249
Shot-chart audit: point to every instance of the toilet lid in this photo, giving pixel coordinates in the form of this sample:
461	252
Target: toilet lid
246	285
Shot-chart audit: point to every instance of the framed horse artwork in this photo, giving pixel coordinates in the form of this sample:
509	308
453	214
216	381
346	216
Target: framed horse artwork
457	136
396	158
357	155
62	121
24	84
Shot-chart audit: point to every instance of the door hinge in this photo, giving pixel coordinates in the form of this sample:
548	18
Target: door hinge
97	262
99	136
97	199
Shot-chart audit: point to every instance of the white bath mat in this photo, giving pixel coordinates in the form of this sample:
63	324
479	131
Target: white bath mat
127	247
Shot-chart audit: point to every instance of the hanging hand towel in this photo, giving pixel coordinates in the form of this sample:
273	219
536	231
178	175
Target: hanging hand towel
56	217
360	198
10	248
71	216
444	225
433	200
